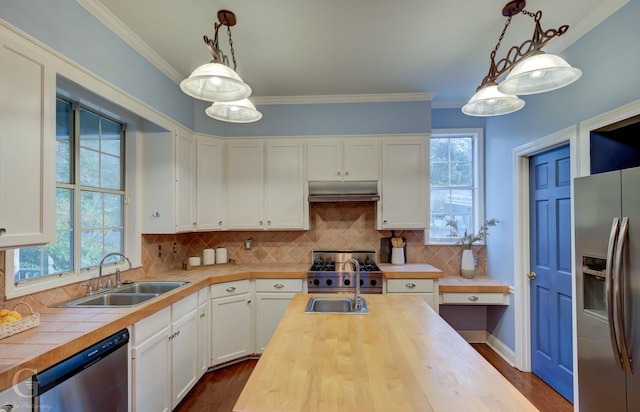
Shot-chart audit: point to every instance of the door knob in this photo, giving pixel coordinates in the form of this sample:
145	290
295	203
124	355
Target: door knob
531	275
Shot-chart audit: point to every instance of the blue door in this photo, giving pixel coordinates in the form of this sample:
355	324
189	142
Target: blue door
551	297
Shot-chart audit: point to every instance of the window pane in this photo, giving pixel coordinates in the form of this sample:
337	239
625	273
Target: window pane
113	241
89	130
461	149
110	172
63	146
439	174
440	203
92	248
461	174
89	168
64	209
34	262
110	137
462	202
91	210
59	256
439	149
113	210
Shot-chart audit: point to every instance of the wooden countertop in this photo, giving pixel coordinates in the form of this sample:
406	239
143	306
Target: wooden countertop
401	356
66	331
410	271
479	284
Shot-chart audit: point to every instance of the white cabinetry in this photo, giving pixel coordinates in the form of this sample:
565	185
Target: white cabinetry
425	288
474	298
353	158
164	357
231	321
404	183
27	144
211	202
204	331
169	182
272	299
265	184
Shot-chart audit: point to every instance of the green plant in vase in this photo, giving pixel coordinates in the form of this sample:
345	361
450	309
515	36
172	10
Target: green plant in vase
466	240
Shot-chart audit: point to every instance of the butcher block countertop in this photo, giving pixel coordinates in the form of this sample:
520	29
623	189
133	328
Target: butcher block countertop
410	271
401	356
479	284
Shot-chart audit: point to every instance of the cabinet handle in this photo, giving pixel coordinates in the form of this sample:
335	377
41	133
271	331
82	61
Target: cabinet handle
2	231
231	288
278	286
338	173
220	223
346	173
473	298
157	214
202	315
261	223
384	221
410	285
268	222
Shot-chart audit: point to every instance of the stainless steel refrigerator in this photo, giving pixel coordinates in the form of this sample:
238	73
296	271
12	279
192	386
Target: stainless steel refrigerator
607	239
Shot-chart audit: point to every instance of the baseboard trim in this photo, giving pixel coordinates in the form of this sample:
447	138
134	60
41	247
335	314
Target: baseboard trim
501	349
474	336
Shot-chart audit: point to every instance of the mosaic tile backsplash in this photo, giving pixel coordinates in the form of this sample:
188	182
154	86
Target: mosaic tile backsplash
332	226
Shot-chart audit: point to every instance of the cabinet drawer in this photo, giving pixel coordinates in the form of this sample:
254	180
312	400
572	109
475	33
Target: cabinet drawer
184	306
474	298
149	326
237	287
409	285
278	285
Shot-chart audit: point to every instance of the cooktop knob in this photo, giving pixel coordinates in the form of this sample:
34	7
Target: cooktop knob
316	282
347	282
329	282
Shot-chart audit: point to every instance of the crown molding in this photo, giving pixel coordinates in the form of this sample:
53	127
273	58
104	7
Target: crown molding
99	11
343	98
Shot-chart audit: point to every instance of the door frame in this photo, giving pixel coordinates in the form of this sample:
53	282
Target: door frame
578	137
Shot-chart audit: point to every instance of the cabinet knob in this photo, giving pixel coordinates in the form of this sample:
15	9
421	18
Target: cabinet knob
384	221
231	289
268	222
346	173
473	298
410	285
278	286
338	173
202	315
220	223
157	214
261	223
2	231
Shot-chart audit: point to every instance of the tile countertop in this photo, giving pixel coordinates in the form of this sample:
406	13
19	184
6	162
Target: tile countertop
66	331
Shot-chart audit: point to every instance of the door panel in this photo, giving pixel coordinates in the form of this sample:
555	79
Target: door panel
551	295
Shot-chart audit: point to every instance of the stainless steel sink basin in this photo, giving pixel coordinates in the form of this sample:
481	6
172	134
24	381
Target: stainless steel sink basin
334	305
109	300
124	296
148	287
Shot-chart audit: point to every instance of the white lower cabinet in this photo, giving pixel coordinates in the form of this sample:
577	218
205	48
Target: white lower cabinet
164	354
272	299
231	321
469	298
204	331
427	289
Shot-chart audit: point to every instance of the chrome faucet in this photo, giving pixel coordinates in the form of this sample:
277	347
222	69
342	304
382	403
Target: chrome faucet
108	255
357	299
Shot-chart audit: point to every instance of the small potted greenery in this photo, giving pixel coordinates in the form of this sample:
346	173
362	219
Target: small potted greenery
466	240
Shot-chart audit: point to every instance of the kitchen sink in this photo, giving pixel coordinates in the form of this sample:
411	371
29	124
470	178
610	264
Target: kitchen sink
334	305
148	287
124	296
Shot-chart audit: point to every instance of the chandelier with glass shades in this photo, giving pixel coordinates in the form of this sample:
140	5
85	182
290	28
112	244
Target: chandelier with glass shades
530	69
217	82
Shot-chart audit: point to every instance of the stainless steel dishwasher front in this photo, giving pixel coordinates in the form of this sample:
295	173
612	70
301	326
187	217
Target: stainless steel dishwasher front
95	379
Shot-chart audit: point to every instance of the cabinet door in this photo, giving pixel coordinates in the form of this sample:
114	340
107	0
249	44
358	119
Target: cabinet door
361	159
185	182
270	308
403	185
204	338
151	372
324	160
27	146
184	359
245	185
210	190
285	202
230	328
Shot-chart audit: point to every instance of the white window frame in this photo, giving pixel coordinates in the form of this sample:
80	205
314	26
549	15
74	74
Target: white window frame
132	242
478	180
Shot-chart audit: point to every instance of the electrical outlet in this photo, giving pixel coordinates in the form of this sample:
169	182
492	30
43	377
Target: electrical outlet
159	250
175	247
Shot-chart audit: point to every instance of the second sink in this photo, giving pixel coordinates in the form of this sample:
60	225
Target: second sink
116	299
334	305
148	287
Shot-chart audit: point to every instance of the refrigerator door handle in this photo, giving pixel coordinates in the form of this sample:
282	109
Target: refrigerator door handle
620	294
609	292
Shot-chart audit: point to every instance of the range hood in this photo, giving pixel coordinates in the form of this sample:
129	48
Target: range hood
327	191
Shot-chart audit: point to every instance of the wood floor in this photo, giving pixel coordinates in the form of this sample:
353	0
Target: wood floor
217	391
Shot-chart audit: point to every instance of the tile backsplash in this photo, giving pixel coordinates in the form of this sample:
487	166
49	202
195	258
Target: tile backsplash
332	226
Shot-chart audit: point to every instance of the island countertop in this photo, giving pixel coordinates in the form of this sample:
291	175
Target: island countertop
401	356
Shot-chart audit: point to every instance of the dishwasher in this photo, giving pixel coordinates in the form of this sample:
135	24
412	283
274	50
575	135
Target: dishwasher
95	379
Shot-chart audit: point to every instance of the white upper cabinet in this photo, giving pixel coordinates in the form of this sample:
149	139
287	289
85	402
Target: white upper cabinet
404	184
265	185
211	202
169	182
27	144
354	158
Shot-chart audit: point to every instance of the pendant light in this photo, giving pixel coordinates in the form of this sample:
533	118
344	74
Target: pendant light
530	69
216	81
241	111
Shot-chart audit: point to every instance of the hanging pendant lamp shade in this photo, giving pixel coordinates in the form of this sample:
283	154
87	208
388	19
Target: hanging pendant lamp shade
241	111
215	82
489	101
539	73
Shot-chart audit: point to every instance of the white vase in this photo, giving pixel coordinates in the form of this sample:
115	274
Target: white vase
467	266
397	256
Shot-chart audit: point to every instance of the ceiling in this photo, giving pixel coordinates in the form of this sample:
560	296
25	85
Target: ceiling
302	50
